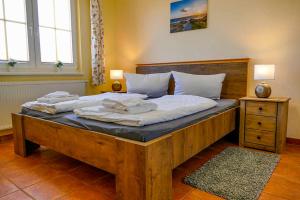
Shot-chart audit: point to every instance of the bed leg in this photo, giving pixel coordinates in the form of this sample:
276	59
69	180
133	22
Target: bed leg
22	146
144	172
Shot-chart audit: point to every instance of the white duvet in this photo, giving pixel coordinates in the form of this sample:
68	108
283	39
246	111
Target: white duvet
169	107
84	101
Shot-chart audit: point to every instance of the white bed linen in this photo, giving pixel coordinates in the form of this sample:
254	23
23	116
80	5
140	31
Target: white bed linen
84	101
169	107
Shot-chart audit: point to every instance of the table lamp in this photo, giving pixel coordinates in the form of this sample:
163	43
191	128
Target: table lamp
264	72
116	75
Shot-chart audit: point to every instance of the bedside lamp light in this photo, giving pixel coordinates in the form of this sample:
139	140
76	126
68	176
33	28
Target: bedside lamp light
116	75
264	72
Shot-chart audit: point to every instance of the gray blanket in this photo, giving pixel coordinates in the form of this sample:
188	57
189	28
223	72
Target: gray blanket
142	134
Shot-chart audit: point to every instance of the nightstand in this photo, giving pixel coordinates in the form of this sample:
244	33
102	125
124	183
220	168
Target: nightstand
263	123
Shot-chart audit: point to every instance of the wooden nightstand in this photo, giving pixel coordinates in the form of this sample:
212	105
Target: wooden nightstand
263	123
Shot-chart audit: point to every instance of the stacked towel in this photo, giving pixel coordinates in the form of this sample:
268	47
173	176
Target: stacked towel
57	97
129	106
85	101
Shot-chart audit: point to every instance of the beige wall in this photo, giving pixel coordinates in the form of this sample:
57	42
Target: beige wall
265	30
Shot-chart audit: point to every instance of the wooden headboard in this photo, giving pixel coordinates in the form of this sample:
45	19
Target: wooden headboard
234	86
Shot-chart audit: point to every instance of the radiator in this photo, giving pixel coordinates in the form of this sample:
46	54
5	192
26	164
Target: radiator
14	94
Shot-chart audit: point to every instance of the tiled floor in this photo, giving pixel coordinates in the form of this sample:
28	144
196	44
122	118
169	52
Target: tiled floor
50	175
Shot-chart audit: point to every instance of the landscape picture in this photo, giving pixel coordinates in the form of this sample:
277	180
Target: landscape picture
188	15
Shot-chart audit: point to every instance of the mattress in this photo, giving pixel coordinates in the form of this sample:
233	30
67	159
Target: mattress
141	134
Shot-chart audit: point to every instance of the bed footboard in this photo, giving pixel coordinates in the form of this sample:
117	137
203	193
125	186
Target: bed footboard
143	170
87	146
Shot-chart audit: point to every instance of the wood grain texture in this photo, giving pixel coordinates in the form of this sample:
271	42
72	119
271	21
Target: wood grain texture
258	122
234	60
93	148
281	130
260	137
191	140
270	99
235	83
259	146
262	108
264	128
22	146
19	137
242	123
144	172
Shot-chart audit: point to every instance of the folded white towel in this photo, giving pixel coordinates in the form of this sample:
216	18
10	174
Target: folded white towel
54	100
122	104
141	108
85	101
57	97
57	94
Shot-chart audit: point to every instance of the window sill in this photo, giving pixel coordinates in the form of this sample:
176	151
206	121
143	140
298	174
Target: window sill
41	74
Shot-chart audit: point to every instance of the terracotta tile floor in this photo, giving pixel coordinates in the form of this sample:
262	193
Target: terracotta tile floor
50	175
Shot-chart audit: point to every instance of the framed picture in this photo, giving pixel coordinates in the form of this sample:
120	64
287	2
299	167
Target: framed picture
187	15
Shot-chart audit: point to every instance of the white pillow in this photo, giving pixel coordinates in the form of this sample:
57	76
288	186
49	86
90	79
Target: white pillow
153	85
209	86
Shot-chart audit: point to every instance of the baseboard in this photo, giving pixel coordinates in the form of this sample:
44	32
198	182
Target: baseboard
293	141
5	127
5	132
6	135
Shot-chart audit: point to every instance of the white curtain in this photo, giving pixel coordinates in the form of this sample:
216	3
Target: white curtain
97	31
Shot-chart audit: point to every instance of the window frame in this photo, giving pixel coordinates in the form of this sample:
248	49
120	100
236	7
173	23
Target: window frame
35	65
73	31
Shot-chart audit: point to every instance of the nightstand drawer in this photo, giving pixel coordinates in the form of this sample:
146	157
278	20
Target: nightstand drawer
265	138
260	123
261	108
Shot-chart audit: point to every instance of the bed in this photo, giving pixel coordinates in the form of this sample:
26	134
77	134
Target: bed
143	165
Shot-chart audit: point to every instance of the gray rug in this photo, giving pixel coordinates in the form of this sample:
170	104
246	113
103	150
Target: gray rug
235	174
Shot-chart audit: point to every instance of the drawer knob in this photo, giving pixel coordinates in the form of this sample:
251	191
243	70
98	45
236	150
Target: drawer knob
260	108
258	137
259	123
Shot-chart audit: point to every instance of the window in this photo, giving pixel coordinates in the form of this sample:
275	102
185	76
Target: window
55	30
37	33
13	30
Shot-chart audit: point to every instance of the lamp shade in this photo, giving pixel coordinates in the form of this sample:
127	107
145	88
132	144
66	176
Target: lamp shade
116	74
264	72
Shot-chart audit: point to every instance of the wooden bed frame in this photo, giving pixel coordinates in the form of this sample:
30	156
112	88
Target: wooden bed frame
143	169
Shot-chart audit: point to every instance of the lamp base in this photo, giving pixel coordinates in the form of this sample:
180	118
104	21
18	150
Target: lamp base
116	86
263	90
